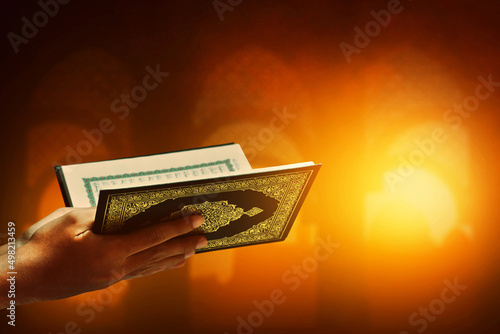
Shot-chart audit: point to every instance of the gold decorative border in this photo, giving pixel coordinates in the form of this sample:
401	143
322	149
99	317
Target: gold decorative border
87	181
286	188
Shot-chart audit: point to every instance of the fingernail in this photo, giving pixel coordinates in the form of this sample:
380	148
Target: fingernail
196	220
202	243
187	255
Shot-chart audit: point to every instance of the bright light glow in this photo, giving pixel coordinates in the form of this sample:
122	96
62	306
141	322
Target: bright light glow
421	205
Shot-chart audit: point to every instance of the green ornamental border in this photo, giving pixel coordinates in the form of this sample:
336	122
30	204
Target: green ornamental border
90	193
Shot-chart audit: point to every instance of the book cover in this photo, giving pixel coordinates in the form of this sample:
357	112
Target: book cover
241	206
239	210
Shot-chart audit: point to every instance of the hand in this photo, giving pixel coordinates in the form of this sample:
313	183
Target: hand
60	256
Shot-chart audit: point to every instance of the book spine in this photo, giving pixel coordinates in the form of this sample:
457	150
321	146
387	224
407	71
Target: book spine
62	184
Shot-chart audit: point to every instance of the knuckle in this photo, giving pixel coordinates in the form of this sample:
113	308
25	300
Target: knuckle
64	210
71	216
181	226
156	237
191	244
157	254
186	245
182	247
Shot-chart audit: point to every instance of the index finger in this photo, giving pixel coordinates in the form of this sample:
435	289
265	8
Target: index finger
156	234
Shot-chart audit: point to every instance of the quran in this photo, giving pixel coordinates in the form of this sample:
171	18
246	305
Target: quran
241	206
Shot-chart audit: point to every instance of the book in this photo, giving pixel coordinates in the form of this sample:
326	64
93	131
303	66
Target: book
241	206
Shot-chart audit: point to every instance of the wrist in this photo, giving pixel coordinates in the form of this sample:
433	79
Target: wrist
7	283
17	283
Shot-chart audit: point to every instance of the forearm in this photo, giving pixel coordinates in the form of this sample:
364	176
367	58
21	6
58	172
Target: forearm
11	268
60	257
17	280
3	249
7	283
7	266
4	288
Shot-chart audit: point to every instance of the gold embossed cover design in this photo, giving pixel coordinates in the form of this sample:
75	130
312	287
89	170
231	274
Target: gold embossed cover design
238	210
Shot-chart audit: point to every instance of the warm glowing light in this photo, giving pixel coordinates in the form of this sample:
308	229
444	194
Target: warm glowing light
421	204
50	200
